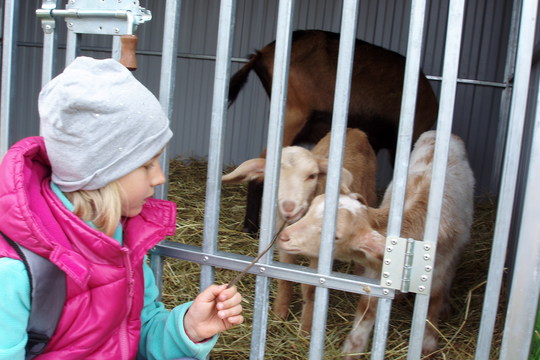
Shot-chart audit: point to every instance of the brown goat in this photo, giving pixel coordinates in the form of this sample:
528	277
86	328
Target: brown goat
375	100
361	233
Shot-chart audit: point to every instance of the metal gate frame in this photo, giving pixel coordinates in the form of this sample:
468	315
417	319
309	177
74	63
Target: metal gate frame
525	289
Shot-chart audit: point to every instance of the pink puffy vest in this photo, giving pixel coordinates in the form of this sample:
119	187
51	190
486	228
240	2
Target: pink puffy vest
105	285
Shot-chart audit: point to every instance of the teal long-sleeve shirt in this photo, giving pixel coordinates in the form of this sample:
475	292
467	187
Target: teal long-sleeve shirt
162	334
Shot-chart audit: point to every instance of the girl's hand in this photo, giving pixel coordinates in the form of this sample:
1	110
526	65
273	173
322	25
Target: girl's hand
214	310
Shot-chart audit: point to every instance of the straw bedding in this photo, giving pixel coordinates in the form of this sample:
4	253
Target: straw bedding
459	330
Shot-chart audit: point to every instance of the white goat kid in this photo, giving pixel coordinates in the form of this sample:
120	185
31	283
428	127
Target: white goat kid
302	177
361	232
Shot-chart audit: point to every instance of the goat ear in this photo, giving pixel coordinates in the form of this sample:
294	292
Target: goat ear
371	244
346	181
323	165
358	197
249	170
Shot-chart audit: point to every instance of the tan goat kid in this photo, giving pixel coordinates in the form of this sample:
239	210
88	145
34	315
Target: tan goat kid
302	177
361	232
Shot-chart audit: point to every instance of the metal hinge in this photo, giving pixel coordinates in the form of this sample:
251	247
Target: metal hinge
408	265
104	17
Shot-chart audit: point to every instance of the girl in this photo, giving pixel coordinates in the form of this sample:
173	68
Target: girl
80	195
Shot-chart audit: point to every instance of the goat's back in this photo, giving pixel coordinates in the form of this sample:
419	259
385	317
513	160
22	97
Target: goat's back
358	158
457	205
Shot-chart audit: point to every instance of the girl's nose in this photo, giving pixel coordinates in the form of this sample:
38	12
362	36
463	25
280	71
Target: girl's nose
158	177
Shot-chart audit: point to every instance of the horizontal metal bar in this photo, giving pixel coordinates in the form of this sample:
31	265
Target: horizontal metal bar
244	60
472	82
300	274
77	13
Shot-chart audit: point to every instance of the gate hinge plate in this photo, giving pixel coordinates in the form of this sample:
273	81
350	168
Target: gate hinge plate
408	265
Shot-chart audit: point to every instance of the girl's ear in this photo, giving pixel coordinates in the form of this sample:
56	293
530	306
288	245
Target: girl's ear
249	170
371	244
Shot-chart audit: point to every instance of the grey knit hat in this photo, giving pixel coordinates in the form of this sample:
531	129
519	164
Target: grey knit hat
99	123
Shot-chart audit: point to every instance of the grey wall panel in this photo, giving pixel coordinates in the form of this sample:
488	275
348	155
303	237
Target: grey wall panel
383	22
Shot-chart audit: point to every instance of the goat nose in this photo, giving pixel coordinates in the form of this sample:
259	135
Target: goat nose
288	206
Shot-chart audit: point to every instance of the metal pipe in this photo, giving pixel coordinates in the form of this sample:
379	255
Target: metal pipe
49	44
291	272
524	294
274	144
77	13
335	159
509	177
440	160
11	14
166	94
217	133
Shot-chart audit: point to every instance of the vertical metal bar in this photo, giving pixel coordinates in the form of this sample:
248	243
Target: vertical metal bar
227	14
380	334
72	40
520	319
167	80
49	43
166	94
11	16
509	176
116	52
444	129
506	95
339	125
274	144
406	124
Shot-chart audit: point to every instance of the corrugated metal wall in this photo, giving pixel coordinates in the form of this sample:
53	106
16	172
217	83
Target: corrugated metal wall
383	22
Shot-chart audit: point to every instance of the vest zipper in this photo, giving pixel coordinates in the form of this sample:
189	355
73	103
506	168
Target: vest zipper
124	340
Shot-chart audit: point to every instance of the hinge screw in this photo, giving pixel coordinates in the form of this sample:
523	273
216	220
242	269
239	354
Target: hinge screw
423	277
428	268
205	258
427	247
386	274
427	257
393	242
322	280
421	288
387	261
262	269
389	249
388	282
385	292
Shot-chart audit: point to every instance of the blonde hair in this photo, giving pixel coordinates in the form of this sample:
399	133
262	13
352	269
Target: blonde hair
102	207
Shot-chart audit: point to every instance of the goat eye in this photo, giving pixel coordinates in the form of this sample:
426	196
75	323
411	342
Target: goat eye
312	176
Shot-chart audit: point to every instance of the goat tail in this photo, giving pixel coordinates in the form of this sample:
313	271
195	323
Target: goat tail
239	79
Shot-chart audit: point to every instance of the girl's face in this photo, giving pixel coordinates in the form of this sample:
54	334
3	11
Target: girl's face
138	185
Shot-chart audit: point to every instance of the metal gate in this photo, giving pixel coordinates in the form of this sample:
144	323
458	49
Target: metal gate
115	18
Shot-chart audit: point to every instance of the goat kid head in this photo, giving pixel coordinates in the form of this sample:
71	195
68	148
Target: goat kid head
355	239
302	176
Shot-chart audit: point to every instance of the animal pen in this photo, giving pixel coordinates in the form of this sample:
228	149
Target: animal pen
481	57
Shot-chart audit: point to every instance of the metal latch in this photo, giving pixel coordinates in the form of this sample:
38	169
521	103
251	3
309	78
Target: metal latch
408	265
104	17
